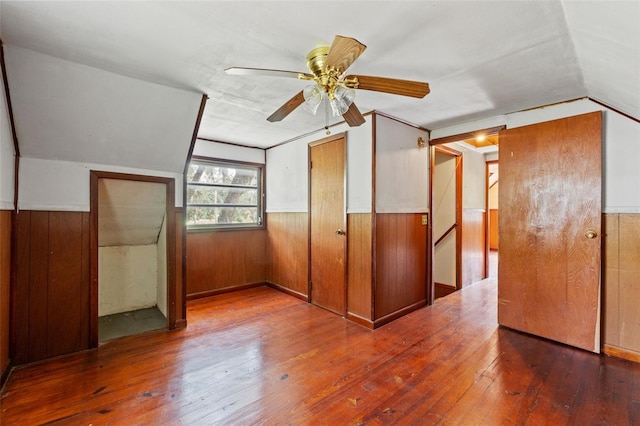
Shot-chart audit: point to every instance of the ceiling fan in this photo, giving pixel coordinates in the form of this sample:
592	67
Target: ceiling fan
327	66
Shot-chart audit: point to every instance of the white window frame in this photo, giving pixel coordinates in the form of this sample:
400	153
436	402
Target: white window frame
260	224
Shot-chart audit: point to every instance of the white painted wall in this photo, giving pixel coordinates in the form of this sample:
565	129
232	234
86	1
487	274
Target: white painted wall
493	196
287	175
127	277
474	174
64	186
621	164
621	147
227	151
161	286
443	216
7	155
444	194
402	169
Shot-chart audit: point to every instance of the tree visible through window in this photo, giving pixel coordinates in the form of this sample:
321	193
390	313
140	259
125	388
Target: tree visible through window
224	194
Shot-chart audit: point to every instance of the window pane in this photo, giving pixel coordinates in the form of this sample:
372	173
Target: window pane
216	195
222	215
222	174
225	195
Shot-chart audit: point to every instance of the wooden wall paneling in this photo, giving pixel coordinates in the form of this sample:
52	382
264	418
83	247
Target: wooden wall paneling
5	289
94	338
85	284
179	289
417	255
611	280
20	292
38	285
473	246
359	283
170	254
386	245
401	253
288	260
629	291
493	229
222	260
67	313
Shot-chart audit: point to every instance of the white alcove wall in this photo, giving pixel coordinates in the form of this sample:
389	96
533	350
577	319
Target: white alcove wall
132	246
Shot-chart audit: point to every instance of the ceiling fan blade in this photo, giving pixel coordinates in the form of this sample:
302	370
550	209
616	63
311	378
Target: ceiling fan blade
287	108
415	89
343	52
353	117
267	72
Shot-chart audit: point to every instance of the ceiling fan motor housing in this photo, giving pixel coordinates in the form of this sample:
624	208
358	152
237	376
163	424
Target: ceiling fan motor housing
316	60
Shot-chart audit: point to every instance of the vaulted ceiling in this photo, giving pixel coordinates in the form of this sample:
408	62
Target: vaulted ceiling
481	58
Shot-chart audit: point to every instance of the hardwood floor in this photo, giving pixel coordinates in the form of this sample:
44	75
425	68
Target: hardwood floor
262	357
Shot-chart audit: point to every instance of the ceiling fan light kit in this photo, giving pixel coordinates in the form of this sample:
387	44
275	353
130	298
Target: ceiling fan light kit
327	66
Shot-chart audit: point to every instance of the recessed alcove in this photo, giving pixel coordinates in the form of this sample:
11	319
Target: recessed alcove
132	261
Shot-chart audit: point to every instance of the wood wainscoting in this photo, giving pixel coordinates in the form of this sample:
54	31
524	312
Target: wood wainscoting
359	268
5	287
473	246
180	299
401	271
621	287
288	253
493	229
51	287
222	261
51	284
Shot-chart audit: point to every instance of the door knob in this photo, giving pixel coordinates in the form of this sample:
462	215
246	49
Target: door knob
591	234
340	232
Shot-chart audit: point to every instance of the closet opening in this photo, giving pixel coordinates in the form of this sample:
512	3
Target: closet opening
129	263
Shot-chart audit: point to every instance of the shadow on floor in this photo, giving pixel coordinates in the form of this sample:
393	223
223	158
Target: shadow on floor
130	323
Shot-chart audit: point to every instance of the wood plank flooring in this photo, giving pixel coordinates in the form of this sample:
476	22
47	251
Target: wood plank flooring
262	357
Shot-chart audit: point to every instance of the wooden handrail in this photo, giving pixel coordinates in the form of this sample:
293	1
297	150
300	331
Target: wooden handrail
445	234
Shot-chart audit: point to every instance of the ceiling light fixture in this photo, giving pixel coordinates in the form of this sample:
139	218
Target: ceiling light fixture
339	98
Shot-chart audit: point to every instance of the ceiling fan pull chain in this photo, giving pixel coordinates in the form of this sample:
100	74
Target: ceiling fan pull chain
326	116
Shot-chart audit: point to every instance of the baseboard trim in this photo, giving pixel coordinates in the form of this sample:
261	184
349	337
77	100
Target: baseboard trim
399	313
442	290
621	353
209	293
288	291
181	323
360	320
5	374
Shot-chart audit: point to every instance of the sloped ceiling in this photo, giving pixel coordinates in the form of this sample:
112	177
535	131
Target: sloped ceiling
481	58
130	213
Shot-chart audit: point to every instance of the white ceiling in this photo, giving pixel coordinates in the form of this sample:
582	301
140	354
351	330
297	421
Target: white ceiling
481	58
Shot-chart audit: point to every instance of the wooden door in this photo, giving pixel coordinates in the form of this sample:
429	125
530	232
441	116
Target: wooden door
550	213
328	240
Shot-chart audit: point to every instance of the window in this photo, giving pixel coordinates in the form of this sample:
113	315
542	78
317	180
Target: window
224	194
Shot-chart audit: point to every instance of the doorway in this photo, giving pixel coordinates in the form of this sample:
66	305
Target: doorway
130	252
446	205
328	224
493	185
